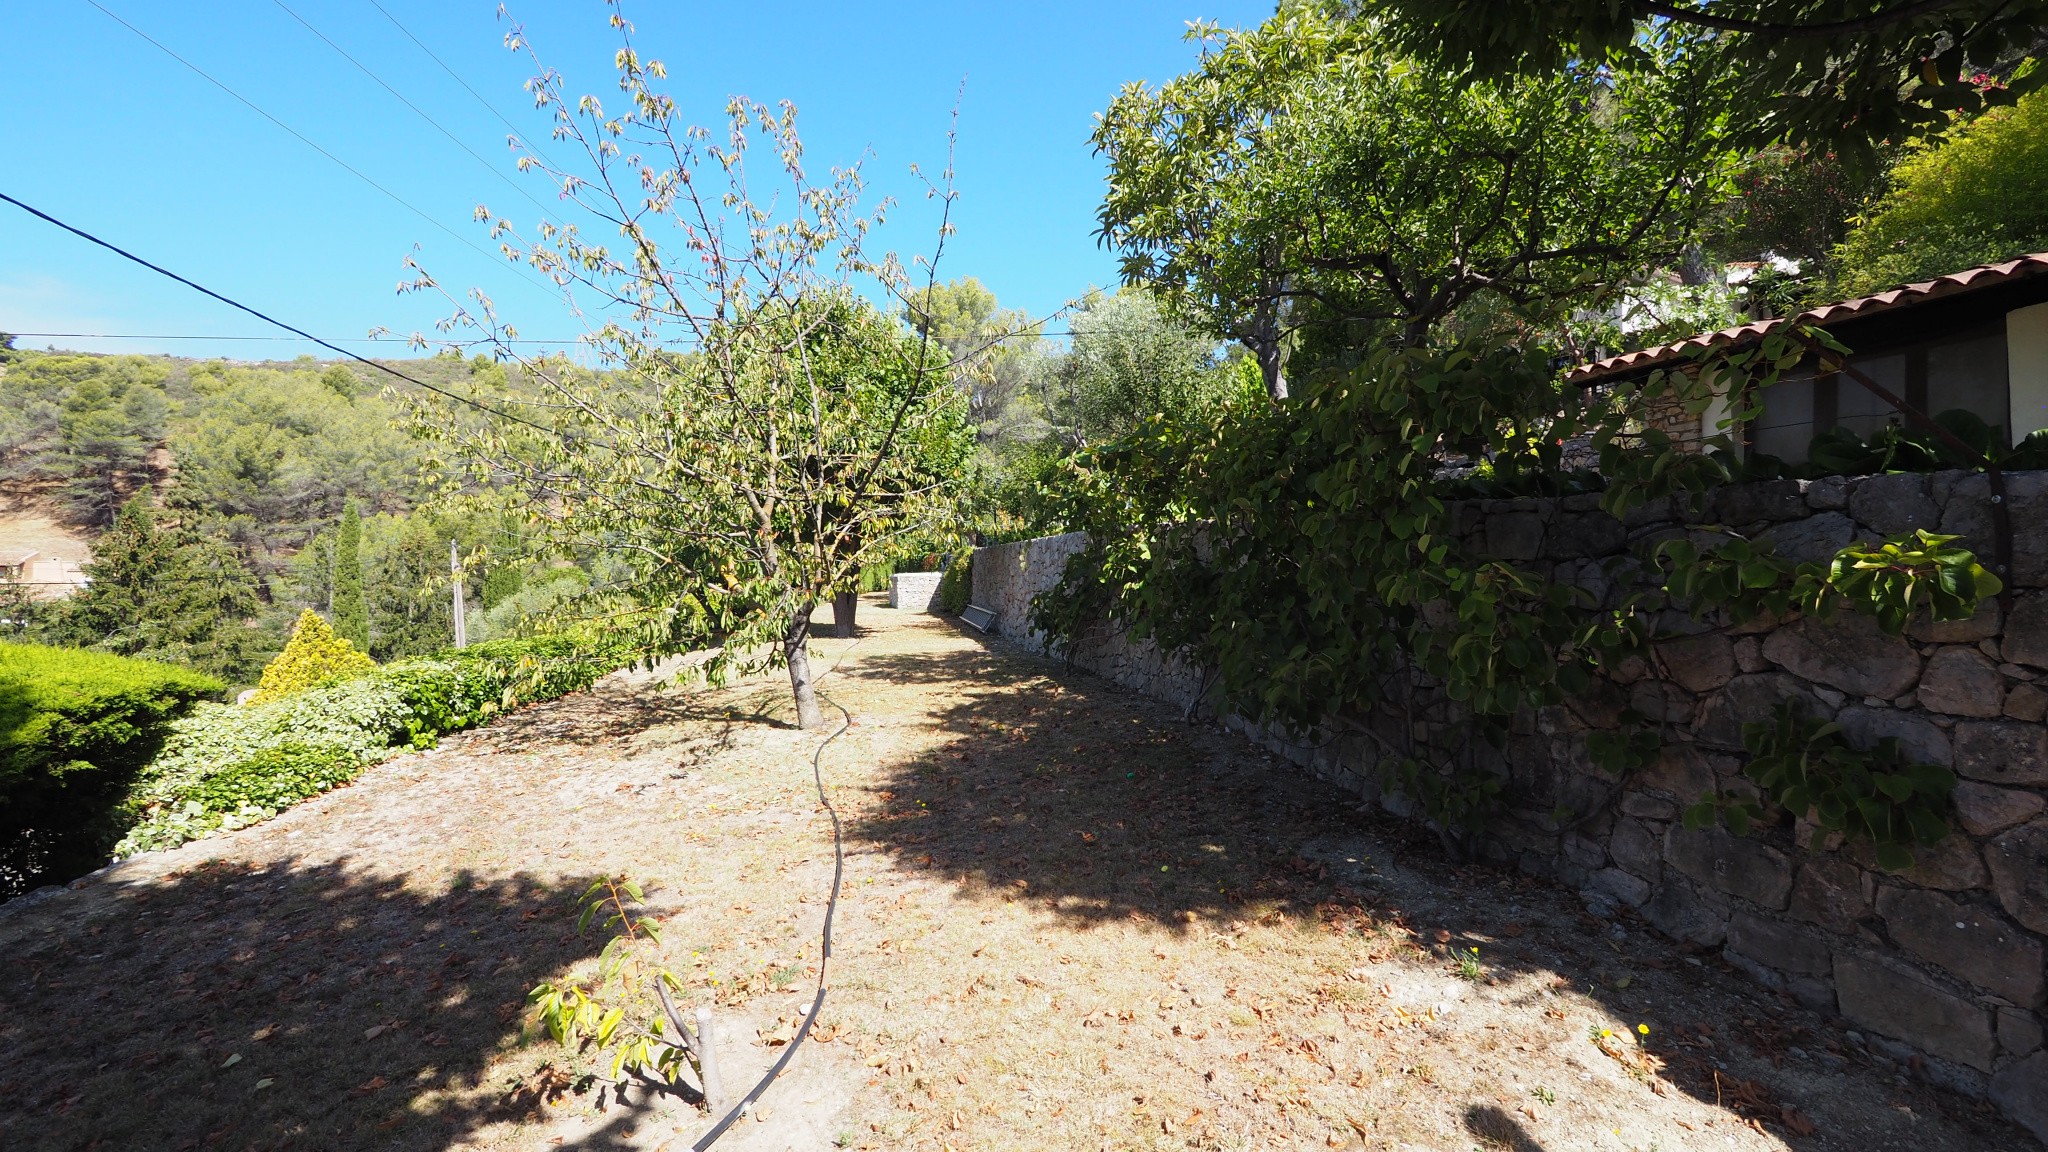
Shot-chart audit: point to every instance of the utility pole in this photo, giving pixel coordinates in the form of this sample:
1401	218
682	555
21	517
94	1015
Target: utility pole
455	581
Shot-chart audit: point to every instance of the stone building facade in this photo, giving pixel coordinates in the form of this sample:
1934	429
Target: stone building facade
1944	961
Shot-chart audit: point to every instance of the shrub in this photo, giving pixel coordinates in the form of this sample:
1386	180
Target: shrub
75	728
313	655
957	585
227	767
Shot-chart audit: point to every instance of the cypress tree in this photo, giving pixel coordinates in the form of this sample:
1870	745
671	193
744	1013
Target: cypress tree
351	615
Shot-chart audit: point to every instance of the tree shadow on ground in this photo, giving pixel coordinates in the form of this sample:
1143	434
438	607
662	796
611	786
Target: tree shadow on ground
243	1007
1098	805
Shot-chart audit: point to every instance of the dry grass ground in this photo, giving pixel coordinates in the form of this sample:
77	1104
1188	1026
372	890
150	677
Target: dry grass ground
1071	921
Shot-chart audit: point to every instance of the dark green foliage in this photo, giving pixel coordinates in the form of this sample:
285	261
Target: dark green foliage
351	614
1977	197
410	608
164	594
227	766
957	585
1808	72
75	727
1806	766
276	778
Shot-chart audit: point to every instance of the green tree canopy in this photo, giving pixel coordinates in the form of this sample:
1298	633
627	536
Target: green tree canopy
1979	196
1306	175
1812	73
1131	361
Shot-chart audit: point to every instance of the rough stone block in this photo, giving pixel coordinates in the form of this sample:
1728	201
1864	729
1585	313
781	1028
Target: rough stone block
2019	873
1974	943
1834	894
1766	500
1849	652
1749	655
2019	1031
1967	513
1733	864
1779	945
1647	807
2026	634
1614	884
1905	1007
1814	540
1636	848
1894	504
1678	909
1864	726
1827	493
1514	536
1954	865
1587	534
1959	681
2002	751
1982	626
1699	663
1983	810
2026	702
2021	1092
1684	770
1747	700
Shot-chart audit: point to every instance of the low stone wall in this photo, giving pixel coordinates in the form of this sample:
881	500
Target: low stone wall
915	591
1945	961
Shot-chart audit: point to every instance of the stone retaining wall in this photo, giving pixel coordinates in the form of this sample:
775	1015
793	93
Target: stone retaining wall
1945	961
915	591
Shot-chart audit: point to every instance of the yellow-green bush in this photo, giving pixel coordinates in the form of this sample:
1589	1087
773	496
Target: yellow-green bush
314	654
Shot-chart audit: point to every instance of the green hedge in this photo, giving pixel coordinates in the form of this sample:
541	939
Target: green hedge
228	766
956	587
76	727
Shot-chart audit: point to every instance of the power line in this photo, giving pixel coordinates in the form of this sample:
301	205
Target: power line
279	339
162	271
452	138
302	138
454	75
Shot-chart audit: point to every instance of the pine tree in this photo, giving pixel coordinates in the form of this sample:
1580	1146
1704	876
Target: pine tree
351	614
127	563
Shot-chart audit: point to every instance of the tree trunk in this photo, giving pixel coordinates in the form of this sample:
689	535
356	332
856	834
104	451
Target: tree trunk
796	648
844	605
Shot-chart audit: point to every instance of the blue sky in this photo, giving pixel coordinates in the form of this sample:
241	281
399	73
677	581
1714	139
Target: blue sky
111	135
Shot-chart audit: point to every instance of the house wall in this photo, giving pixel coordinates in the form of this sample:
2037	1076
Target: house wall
1945	961
2026	357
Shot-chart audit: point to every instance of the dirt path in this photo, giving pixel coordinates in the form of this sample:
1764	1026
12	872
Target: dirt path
1071	922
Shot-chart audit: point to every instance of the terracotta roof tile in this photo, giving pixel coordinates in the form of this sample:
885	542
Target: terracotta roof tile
1968	280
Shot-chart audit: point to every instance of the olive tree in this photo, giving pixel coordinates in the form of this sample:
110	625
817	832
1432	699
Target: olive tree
753	425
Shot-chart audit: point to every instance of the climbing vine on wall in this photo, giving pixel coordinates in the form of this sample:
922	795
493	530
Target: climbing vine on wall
1308	553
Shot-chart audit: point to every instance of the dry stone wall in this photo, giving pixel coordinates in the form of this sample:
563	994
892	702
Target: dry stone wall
1944	961
915	591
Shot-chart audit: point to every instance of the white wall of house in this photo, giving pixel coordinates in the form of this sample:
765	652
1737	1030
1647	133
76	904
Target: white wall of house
2026	359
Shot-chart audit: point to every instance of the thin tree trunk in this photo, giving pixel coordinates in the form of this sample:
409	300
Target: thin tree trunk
796	648
844	605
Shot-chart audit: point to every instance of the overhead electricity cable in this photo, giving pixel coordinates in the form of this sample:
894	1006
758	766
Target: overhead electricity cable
417	111
302	138
456	76
277	339
267	319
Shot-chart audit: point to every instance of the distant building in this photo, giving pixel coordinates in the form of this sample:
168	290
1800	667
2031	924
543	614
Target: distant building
1975	340
46	577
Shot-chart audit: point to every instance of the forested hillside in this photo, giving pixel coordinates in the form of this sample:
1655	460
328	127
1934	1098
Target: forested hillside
212	492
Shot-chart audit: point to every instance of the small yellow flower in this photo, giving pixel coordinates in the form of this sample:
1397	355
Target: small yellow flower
1643	1028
